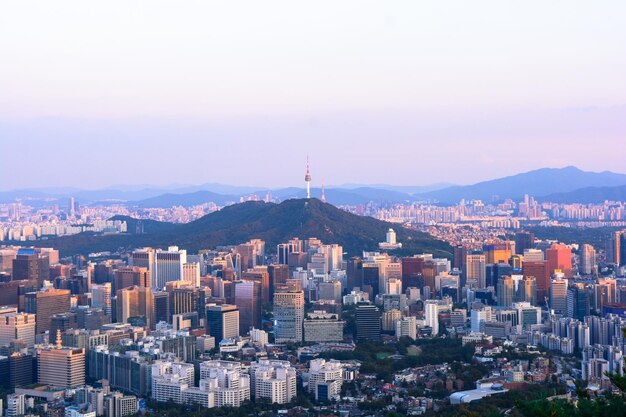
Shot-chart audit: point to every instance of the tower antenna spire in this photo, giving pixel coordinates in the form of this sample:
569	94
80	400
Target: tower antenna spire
307	179
323	194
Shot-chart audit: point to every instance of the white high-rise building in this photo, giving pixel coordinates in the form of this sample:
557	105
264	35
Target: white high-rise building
259	336
226	380
407	326
431	308
16	326
191	273
170	379
273	380
479	316
288	316
325	379
164	265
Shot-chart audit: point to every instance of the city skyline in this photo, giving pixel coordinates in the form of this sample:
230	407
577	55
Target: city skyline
423	93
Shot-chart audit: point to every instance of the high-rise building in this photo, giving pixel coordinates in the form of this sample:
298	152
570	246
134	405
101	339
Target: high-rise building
191	273
101	297
248	298
61	367
136	303
354	273
133	275
223	321
533	255
278	276
587	260
368	325
329	291
325	379
320	327
497	253
288	316
539	270
476	270
406	326
32	265
559	258
558	296
46	303
227	380
164	265
273	380
506	291
431	314
260	275
16	326
613	248
523	241
529	285
578	305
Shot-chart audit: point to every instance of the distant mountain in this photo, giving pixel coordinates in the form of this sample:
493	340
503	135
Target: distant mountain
340	196
588	195
186	200
537	183
274	223
405	189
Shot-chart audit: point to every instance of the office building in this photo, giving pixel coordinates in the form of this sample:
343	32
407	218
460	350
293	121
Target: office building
476	270
506	291
223	321
523	241
407	327
558	296
61	367
431	314
288	316
559	258
131	276
101	297
191	273
320	326
588	264
46	303
248	298
539	270
135	303
578	305
16	326
368	325
31	264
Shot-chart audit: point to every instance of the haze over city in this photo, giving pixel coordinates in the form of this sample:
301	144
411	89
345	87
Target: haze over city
312	209
403	93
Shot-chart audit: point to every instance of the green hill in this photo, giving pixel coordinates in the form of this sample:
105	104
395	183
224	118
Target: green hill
274	223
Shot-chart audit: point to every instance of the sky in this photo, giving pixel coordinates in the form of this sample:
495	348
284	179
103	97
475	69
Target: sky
400	92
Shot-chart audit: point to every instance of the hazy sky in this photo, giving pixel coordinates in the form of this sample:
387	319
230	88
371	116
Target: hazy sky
415	92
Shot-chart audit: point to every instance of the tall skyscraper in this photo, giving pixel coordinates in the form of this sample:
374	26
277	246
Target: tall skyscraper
191	273
260	275
44	304
539	270
559	258
101	297
476	270
32	265
578	305
558	296
368	322
134	302
587	260
506	291
431	313
523	241
248	298
613	248
223	321
164	265
133	275
288	315
278	276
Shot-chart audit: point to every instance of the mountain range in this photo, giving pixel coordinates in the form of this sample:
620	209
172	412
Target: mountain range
274	223
568	184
